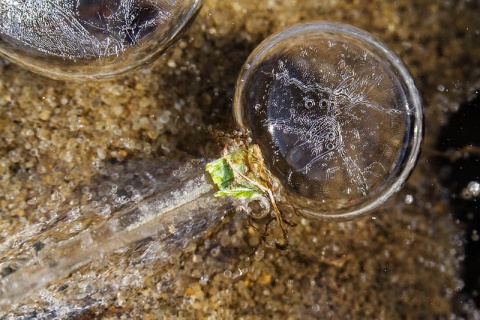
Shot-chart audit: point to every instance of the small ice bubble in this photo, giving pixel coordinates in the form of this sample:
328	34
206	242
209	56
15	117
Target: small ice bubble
215	252
105	211
114	188
136	198
441	87
409	199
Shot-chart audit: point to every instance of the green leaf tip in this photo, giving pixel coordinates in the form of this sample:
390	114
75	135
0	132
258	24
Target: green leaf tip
240	192
221	173
228	183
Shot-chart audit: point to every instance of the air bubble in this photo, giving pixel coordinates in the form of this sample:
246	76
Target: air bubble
215	252
258	208
309	103
105	211
76	39
165	117
352	148
136	198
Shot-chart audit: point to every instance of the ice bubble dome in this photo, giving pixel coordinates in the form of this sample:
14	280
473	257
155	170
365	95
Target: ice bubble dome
85	39
336	114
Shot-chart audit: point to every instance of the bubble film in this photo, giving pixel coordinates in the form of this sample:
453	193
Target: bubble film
90	38
336	115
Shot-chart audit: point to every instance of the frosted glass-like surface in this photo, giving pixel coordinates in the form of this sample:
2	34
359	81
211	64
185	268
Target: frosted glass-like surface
336	114
90	38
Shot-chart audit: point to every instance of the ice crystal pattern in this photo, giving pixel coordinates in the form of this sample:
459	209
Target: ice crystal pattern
336	115
74	29
323	125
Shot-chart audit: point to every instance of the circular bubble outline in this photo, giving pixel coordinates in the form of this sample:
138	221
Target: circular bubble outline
97	69
413	109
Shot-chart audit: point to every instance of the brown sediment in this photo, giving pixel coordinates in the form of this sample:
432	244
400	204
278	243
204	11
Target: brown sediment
399	262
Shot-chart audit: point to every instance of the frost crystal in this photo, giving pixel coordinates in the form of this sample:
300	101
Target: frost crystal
77	29
330	111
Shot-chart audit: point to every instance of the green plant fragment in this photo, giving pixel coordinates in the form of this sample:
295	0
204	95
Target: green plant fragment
221	173
229	183
239	191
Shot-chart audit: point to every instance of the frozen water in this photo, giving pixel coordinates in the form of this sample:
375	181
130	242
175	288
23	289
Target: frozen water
336	115
41	34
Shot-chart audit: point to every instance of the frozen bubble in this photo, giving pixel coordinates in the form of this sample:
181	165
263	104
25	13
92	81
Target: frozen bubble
259	208
136	198
75	39
215	252
105	211
165	117
336	115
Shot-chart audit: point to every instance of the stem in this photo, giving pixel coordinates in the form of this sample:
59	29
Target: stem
183	211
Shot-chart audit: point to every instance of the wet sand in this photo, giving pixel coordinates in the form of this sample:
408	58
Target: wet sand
402	261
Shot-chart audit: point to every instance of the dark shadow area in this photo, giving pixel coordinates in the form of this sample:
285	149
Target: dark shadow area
460	141
208	85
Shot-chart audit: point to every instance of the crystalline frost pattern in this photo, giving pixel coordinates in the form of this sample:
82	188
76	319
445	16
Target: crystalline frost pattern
74	29
310	134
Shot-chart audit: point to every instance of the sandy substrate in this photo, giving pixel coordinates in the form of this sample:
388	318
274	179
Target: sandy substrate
402	261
